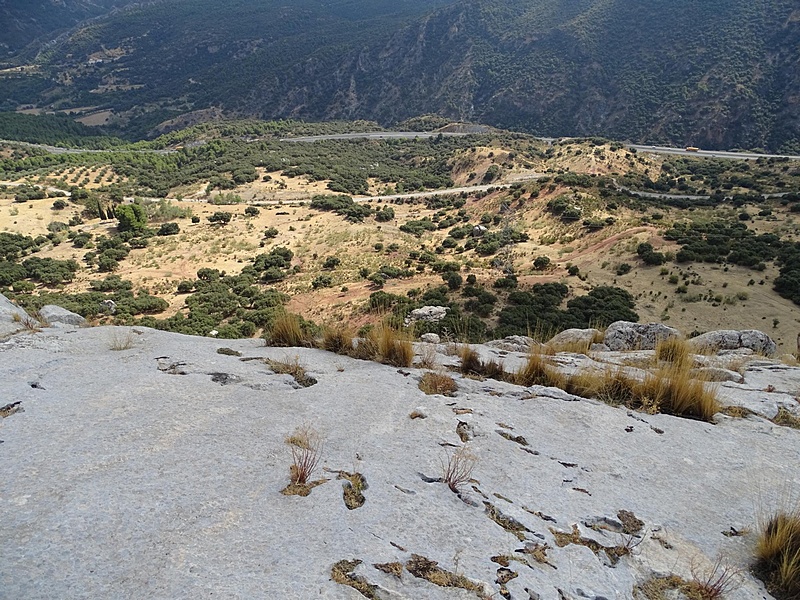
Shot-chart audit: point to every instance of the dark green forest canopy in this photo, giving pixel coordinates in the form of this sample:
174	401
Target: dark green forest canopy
715	74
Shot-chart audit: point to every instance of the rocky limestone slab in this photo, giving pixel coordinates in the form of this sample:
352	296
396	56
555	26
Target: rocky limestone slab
55	314
161	478
11	317
729	339
570	337
626	335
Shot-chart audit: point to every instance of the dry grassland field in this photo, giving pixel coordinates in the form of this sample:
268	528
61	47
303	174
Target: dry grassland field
718	295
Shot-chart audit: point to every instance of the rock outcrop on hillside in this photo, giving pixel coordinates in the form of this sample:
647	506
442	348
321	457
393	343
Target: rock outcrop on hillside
140	463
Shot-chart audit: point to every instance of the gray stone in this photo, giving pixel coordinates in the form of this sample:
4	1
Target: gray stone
428	314
108	306
12	317
479	231
625	335
717	374
573	337
430	338
55	314
599	348
730	339
513	343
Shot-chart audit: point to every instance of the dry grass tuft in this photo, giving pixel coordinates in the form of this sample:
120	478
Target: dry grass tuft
675	351
121	340
778	554
673	390
427	569
437	383
32	323
427	356
394	347
337	339
291	367
306	445
712	584
366	348
612	386
787	419
287	331
343	573
459	467
537	371
470	361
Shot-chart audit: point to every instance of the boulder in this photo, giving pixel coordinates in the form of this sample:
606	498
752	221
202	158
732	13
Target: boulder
430	338
428	314
574	337
55	314
717	374
513	343
11	317
731	339
625	335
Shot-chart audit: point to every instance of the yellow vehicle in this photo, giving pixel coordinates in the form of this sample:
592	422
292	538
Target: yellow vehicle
692	149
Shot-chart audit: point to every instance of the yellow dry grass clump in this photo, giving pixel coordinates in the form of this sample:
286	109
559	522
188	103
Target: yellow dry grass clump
287	331
394	347
337	339
675	351
537	371
778	554
437	383
670	389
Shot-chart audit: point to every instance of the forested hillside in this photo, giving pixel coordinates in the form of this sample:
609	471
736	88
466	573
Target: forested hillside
25	20
716	74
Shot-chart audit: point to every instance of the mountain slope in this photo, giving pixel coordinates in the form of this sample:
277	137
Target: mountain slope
716	74
25	20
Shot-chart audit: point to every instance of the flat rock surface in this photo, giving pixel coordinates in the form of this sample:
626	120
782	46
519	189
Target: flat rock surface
155	472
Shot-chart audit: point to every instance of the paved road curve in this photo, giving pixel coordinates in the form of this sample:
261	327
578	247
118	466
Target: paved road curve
708	153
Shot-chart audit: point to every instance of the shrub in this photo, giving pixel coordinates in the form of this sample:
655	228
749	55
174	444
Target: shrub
331	263
458	469
321	281
168	229
251	211
778	554
59	205
437	383
540	263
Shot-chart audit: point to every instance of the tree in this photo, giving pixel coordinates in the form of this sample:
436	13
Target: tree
540	263
131	217
220	217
